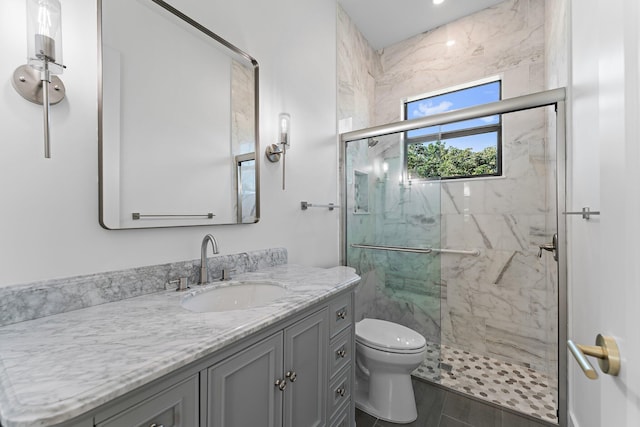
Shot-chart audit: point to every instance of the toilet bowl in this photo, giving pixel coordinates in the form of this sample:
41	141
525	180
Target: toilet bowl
386	354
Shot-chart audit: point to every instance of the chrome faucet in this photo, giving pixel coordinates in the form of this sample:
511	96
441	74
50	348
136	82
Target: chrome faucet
203	256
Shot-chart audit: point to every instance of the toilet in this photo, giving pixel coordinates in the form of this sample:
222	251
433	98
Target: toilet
386	354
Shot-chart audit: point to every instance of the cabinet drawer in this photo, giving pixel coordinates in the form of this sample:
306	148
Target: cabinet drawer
178	406
340	352
339	391
342	418
340	314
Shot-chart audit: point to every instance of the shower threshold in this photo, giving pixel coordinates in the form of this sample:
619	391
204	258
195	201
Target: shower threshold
503	383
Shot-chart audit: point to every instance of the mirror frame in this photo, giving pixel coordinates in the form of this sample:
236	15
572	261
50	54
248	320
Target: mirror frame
235	50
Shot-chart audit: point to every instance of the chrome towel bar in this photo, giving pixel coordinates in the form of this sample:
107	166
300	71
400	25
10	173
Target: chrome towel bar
473	252
138	215
585	212
305	205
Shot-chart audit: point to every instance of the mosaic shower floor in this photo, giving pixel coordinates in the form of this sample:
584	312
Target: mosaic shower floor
503	383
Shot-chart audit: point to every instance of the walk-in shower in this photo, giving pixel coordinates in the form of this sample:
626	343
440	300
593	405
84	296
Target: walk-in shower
460	260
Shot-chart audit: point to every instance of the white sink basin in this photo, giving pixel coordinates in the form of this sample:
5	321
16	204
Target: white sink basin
237	296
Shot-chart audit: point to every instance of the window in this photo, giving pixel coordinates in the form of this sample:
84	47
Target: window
471	148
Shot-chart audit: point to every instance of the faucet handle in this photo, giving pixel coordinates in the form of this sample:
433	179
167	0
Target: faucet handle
183	283
226	274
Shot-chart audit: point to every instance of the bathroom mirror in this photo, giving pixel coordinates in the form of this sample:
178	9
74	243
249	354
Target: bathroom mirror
178	121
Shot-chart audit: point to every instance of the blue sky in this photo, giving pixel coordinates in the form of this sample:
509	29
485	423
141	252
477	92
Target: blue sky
482	94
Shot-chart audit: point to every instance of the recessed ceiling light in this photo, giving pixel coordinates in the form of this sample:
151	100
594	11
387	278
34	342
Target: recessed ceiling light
451	42
438	1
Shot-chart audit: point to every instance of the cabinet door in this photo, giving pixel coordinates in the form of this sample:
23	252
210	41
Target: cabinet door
175	407
305	357
241	388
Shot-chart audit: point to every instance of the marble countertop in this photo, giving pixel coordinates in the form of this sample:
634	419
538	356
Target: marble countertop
55	368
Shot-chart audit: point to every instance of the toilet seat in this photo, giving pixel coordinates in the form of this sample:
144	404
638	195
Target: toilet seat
387	336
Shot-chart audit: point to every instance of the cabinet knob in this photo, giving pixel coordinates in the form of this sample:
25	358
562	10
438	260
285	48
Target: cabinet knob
342	314
292	376
341	353
281	384
341	391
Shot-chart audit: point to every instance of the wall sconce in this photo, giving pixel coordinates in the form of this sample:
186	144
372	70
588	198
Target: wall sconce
275	151
36	80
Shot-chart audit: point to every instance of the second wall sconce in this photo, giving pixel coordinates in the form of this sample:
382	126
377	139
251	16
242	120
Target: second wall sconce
36	80
275	151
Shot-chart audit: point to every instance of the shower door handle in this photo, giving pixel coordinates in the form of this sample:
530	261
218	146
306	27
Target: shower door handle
551	247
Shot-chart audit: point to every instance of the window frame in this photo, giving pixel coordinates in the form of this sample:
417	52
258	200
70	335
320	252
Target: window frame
497	128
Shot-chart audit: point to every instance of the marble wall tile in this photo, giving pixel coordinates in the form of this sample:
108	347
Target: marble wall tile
365	295
518	344
418	312
357	63
496	40
490	301
463	331
45	298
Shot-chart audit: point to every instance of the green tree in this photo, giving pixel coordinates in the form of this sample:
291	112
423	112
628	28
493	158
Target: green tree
437	160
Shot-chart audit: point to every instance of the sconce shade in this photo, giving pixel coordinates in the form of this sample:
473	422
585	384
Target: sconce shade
285	129
44	35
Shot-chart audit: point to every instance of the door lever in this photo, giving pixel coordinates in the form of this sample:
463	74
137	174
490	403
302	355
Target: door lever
550	247
605	350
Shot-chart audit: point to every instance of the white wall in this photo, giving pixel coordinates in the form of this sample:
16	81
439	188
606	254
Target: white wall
49	208
604	271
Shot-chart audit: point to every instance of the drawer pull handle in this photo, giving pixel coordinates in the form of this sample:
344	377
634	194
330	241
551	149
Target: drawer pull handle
341	353
292	376
341	315
341	391
281	384
156	425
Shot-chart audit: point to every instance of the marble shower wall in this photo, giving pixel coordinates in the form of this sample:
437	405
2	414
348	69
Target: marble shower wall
501	303
357	66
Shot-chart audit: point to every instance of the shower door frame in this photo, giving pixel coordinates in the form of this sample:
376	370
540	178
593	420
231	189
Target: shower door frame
553	97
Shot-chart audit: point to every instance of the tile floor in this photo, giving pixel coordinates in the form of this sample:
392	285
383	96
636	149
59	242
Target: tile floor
502	383
438	407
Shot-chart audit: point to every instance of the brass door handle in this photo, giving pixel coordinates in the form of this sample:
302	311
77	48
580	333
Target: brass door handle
606	350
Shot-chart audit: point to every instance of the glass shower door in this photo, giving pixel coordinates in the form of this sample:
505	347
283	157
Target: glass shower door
485	299
387	217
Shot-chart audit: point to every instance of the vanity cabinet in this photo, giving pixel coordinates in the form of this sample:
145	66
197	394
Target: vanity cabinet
174	407
295	373
280	381
241	388
340	408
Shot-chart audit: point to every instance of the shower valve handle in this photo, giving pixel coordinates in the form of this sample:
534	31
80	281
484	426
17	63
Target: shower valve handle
547	247
551	247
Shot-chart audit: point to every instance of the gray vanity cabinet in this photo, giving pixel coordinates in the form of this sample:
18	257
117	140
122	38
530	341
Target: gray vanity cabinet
280	381
305	368
296	373
241	390
175	407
